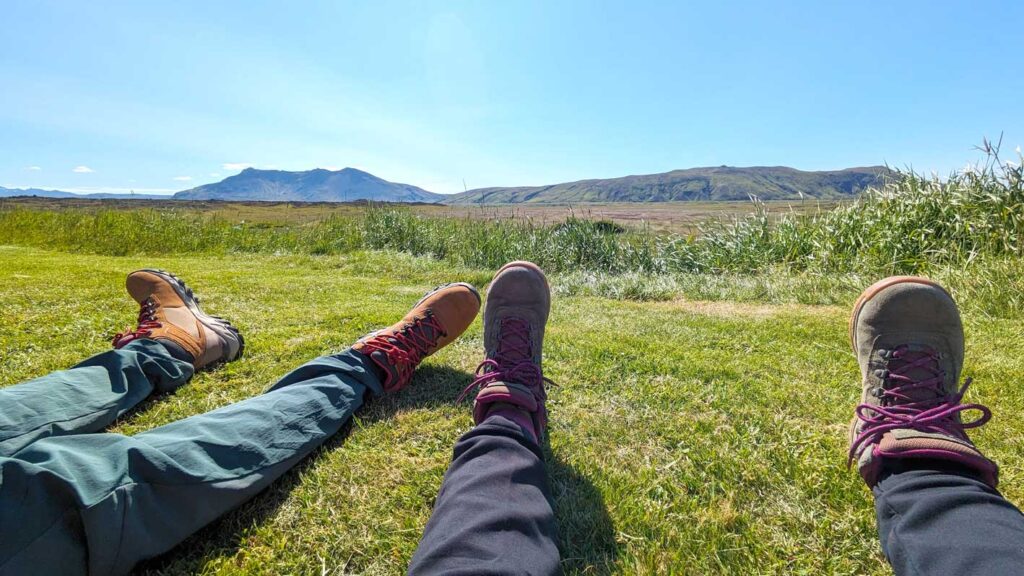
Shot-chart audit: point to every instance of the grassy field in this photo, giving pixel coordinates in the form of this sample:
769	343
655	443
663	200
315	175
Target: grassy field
686	437
699	422
678	217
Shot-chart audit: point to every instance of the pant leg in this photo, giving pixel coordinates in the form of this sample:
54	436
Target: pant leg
493	514
88	397
99	503
941	519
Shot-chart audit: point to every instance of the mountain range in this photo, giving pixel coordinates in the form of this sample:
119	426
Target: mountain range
721	183
350	184
12	192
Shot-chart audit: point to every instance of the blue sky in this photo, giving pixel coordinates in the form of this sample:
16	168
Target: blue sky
111	96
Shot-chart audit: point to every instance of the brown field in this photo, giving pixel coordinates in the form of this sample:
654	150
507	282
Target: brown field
678	217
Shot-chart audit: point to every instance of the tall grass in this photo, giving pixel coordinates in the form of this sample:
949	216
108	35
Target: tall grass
911	225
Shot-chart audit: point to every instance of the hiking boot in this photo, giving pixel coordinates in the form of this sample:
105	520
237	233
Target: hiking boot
909	343
510	378
169	313
440	317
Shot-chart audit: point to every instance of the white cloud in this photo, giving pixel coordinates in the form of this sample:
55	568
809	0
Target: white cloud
82	170
214	174
235	166
33	168
183	178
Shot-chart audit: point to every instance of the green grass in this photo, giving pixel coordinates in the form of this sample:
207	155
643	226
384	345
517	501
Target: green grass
687	437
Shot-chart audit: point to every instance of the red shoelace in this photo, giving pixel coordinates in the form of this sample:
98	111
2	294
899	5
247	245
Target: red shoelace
405	348
904	405
146	324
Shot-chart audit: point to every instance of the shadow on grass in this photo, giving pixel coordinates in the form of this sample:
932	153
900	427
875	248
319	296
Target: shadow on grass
433	386
586	535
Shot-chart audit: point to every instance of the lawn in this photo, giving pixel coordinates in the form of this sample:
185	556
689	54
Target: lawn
686	437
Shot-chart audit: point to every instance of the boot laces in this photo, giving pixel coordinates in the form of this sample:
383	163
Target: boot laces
406	347
512	363
913	398
146	324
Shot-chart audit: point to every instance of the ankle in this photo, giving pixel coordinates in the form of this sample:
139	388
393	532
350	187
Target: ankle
373	365
514	414
175	350
895	466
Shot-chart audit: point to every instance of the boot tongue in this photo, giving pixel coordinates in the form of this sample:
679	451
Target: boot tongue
514	342
923	377
423	331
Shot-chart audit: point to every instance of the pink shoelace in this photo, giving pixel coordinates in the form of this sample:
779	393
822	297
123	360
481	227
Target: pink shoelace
146	324
904	406
513	361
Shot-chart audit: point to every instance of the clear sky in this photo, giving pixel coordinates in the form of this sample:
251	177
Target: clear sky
162	96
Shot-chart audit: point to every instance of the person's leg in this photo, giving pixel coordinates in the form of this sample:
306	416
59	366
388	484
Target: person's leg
494	514
48	477
99	503
174	337
935	493
88	397
937	518
113	500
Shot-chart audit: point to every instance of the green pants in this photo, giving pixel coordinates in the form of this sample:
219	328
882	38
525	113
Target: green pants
74	501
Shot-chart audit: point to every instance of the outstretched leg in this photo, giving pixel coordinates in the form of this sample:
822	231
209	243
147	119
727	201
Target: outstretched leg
935	493
99	503
88	397
494	513
174	337
936	517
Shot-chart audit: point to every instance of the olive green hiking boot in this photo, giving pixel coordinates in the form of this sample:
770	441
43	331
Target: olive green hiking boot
909	342
441	316
169	313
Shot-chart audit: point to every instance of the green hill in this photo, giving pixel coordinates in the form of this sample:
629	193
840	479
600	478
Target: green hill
722	183
317	185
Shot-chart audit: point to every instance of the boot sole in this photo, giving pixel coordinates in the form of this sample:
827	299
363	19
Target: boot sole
472	289
220	326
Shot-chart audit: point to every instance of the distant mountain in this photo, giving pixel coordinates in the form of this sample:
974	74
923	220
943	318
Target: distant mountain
311	186
722	183
11	192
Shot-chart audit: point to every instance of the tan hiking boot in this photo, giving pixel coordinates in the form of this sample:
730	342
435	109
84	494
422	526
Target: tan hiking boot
516	312
909	342
169	312
440	317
